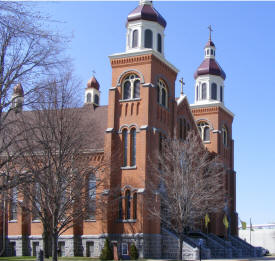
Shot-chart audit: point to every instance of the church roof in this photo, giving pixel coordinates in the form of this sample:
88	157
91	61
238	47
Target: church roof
210	66
146	12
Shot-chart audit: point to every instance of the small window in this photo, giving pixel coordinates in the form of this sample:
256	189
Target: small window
135	39
214	91
180	129
89	98
131	87
163	96
96	99
125	146
148	40
135	206
133	146
212	52
124	249
13	204
207	51
159	43
221	94
120	208
204	130
197	93
91	211
128	204
203	91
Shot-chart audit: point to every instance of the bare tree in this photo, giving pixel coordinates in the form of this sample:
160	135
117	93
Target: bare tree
57	160
188	181
29	53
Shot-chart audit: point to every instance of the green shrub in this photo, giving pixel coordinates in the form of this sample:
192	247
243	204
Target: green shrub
133	252
106	253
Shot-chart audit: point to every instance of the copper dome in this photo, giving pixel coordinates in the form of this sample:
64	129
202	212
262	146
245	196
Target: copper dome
93	83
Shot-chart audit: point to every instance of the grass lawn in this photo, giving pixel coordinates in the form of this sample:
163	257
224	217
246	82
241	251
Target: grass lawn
31	258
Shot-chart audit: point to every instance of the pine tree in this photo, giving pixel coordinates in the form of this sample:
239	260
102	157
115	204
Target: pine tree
106	253
133	252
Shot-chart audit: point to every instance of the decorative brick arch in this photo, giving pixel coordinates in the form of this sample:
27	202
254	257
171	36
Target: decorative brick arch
205	120
118	83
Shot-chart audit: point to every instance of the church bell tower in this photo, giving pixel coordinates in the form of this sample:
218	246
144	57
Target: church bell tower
214	121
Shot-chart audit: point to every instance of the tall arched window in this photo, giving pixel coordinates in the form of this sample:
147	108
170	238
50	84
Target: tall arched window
203	91
204	130
127	204
125	146
120	208
96	99
224	136
162	96
184	129
88	98
214	91
91	211
133	146
135	39
221	94
131	87
148	40
180	129
13	204
135	206
159	43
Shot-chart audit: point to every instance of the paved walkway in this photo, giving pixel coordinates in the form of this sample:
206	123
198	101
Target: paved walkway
269	258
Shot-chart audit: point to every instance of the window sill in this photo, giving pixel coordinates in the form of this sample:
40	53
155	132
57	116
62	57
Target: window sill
129	100
89	220
13	221
127	221
207	142
36	221
129	167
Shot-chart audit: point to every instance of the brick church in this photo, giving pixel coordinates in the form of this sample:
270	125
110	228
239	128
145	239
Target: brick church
143	106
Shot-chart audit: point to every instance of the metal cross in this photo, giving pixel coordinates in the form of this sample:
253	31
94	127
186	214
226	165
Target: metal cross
210	30
182	83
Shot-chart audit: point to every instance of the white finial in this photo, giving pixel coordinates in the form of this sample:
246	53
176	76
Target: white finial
145	2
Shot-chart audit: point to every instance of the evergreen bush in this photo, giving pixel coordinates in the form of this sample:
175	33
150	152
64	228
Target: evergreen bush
106	253
133	252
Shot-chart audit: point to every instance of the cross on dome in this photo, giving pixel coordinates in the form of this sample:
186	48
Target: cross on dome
210	30
145	2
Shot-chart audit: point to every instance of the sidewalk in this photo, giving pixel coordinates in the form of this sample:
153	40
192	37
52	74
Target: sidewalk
270	258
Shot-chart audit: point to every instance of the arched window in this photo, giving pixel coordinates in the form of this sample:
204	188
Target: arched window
163	97
125	146
221	94
131	87
36	204
158	93
128	204
162	93
214	91
13	204
96	99
88	98
197	93
135	39
135	206
136	89
148	40
159	43
133	146
212	52
120	208
207	51
204	130
224	136
203	91
91	211
184	129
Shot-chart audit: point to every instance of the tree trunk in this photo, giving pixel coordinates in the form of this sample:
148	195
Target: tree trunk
180	248
47	243
54	245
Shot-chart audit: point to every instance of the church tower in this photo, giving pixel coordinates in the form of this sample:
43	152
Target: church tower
214	122
140	112
92	93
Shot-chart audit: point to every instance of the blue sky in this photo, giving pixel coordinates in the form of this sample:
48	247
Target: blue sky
244	37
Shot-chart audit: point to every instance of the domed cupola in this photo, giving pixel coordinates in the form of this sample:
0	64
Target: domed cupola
18	98
145	28
209	77
92	92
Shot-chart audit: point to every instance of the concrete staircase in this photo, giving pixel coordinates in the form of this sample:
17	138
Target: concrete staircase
247	249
